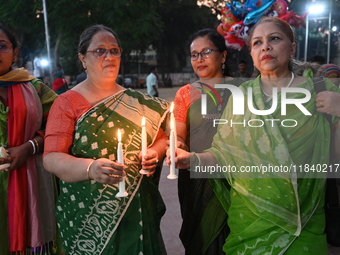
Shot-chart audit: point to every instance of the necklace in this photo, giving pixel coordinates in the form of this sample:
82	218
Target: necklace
290	83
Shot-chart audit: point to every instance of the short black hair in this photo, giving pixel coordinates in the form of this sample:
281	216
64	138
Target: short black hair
152	68
86	37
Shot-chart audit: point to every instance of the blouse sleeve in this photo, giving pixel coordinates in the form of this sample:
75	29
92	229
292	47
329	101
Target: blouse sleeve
61	122
182	103
184	97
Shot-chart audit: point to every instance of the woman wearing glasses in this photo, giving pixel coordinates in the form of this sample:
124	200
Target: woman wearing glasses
273	208
81	149
200	232
27	220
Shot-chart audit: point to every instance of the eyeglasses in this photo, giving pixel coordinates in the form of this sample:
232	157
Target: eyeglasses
5	47
204	54
102	52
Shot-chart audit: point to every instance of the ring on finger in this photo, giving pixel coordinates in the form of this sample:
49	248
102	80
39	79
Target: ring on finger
157	160
115	175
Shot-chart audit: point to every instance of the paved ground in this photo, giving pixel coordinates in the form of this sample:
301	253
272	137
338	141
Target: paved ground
171	221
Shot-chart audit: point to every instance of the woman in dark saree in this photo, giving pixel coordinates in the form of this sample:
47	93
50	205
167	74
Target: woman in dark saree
204	228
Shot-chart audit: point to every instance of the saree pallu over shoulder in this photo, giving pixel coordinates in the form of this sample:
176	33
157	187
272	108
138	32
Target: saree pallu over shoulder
89	213
283	201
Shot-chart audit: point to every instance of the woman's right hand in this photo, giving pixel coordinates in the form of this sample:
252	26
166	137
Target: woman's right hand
182	158
104	170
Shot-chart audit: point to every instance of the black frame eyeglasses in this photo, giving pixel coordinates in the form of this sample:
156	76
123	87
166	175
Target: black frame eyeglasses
204	54
5	46
102	52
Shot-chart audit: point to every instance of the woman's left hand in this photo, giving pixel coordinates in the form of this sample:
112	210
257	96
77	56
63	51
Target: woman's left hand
150	161
328	102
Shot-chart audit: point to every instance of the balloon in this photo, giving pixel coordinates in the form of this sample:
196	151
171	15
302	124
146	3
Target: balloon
220	29
232	41
237	9
239	30
255	15
252	5
235	37
237	18
294	20
279	8
228	18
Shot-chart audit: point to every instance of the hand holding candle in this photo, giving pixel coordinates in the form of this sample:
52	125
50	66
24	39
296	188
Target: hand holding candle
144	145
173	143
122	192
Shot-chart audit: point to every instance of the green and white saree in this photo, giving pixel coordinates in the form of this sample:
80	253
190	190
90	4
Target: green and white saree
279	213
92	220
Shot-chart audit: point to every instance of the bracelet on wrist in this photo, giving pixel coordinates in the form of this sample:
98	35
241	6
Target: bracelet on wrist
197	161
33	145
88	170
37	145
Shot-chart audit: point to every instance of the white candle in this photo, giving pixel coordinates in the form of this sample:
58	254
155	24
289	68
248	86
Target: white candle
172	119
173	144
144	145
121	185
120	149
143	138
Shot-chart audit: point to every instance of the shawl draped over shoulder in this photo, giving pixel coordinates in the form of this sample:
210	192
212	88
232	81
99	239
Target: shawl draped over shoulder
268	211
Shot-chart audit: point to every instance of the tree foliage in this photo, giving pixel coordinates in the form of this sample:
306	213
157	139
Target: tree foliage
135	21
165	25
181	18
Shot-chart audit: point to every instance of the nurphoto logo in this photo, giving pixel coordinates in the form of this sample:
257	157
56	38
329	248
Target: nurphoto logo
239	104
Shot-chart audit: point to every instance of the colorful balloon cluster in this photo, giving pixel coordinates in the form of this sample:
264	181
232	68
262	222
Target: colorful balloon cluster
237	18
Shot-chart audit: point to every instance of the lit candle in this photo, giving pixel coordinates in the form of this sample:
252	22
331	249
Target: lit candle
121	185
144	141
173	143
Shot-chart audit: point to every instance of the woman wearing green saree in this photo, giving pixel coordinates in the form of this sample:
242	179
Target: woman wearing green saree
279	212
81	149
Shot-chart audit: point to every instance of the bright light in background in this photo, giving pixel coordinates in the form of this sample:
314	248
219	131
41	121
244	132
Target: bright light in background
334	28
316	9
44	62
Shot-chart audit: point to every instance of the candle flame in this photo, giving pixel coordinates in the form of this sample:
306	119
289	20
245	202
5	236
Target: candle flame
119	136
172	107
143	121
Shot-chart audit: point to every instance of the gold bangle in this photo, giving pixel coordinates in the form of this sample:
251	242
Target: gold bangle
88	170
36	144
